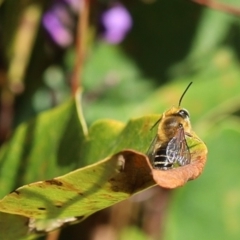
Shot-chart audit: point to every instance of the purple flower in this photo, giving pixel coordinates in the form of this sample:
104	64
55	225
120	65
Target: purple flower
59	22
59	33
117	22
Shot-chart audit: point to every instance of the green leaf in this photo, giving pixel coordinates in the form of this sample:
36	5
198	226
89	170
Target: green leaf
105	138
83	191
45	147
13	226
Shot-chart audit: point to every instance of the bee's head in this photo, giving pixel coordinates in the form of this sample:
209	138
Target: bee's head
175	116
184	113
172	120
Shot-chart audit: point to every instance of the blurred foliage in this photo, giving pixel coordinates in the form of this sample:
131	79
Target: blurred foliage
35	159
171	43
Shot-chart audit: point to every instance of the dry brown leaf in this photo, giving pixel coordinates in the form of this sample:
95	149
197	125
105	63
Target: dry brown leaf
177	177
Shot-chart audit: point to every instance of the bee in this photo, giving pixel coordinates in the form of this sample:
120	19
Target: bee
169	147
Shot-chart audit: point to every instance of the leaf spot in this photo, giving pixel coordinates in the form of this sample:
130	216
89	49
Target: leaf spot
41	208
80	217
54	182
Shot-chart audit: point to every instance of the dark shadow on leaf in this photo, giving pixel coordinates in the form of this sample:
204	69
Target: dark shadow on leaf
69	149
24	159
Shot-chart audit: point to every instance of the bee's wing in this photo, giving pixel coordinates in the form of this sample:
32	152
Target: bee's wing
177	149
152	149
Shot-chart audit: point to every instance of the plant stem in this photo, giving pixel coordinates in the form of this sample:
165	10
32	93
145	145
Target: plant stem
219	6
82	30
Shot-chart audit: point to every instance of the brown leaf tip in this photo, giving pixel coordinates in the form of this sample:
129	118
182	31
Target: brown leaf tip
177	177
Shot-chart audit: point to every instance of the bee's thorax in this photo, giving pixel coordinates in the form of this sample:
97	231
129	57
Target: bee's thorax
170	124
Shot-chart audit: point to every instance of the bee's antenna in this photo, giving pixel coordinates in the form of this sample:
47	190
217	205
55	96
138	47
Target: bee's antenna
184	93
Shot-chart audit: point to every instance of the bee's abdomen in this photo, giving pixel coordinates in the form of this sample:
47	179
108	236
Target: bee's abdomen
160	159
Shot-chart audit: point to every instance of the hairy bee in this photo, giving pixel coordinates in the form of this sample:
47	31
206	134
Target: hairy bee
169	148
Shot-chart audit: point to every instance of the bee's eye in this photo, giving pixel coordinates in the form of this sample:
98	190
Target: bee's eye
184	113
